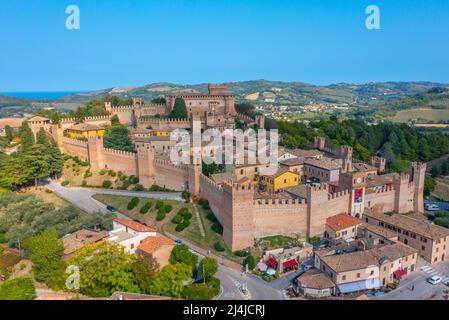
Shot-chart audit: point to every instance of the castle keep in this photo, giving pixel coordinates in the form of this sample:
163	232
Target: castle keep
330	181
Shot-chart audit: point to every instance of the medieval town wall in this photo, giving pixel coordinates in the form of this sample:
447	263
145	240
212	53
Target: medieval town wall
75	148
168	175
118	160
163	124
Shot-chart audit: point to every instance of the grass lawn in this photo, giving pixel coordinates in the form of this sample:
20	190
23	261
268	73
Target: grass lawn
121	204
191	233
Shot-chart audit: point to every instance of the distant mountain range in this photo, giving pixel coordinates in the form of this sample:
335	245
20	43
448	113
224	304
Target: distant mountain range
265	92
277	92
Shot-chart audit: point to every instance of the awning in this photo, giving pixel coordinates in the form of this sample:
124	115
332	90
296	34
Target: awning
290	264
400	273
272	263
368	284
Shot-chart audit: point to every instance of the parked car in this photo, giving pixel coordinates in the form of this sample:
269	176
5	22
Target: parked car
431	207
434	280
111	209
178	241
307	267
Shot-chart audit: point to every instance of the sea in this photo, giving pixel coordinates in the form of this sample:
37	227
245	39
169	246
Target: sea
40	95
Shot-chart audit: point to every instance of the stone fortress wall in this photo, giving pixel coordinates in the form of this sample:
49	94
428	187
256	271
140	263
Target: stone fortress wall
244	217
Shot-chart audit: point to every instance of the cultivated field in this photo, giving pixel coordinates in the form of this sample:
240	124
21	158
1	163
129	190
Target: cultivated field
422	113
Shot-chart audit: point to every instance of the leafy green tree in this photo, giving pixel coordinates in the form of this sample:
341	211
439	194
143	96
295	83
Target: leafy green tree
105	269
179	109
429	185
210	169
145	270
27	137
159	100
208	268
436	171
445	168
18	289
182	254
250	261
115	120
117	137
56	161
36	163
170	281
46	251
12	173
41	137
9	133
239	124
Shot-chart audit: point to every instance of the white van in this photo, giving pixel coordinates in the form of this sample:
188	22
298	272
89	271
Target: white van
431	207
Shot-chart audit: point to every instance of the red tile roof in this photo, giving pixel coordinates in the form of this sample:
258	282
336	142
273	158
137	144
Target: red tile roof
150	244
134	225
342	221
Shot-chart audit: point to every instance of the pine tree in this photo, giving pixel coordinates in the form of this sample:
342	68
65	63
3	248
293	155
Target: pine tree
27	136
36	163
9	133
179	109
56	161
41	137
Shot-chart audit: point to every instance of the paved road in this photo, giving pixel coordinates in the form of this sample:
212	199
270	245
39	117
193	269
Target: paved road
442	205
82	197
232	277
229	272
416	287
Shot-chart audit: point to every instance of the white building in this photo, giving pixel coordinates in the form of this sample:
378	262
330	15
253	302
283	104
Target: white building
130	234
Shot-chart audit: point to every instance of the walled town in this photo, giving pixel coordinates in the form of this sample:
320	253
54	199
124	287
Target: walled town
362	212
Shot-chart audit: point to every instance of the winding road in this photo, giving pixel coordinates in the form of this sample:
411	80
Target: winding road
228	272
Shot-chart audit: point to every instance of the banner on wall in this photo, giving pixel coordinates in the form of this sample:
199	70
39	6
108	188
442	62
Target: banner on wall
358	195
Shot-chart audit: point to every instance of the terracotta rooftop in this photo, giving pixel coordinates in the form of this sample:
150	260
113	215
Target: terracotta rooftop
362	259
301	153
342	221
150	244
76	240
379	230
134	225
363	167
325	163
421	228
38	118
315	279
292	162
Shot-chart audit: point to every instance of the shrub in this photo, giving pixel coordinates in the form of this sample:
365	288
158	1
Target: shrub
88	174
159	204
103	172
179	228
107	184
1	251
217	227
146	207
177	219
112	173
241	253
188	216
139	188
183	211
186	195
125	185
65	183
250	261
219	246
133	180
2	238
18	289
168	208
133	203
84	183
160	215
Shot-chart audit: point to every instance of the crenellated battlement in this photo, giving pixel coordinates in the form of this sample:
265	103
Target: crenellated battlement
168	163
277	202
245	118
87	119
119	153
207	182
339	194
150	119
74	142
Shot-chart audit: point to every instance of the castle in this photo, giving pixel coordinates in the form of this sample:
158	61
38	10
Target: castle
246	212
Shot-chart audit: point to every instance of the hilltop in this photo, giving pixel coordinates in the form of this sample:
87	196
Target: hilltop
277	92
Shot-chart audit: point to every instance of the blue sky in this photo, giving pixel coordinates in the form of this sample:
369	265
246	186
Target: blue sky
128	43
